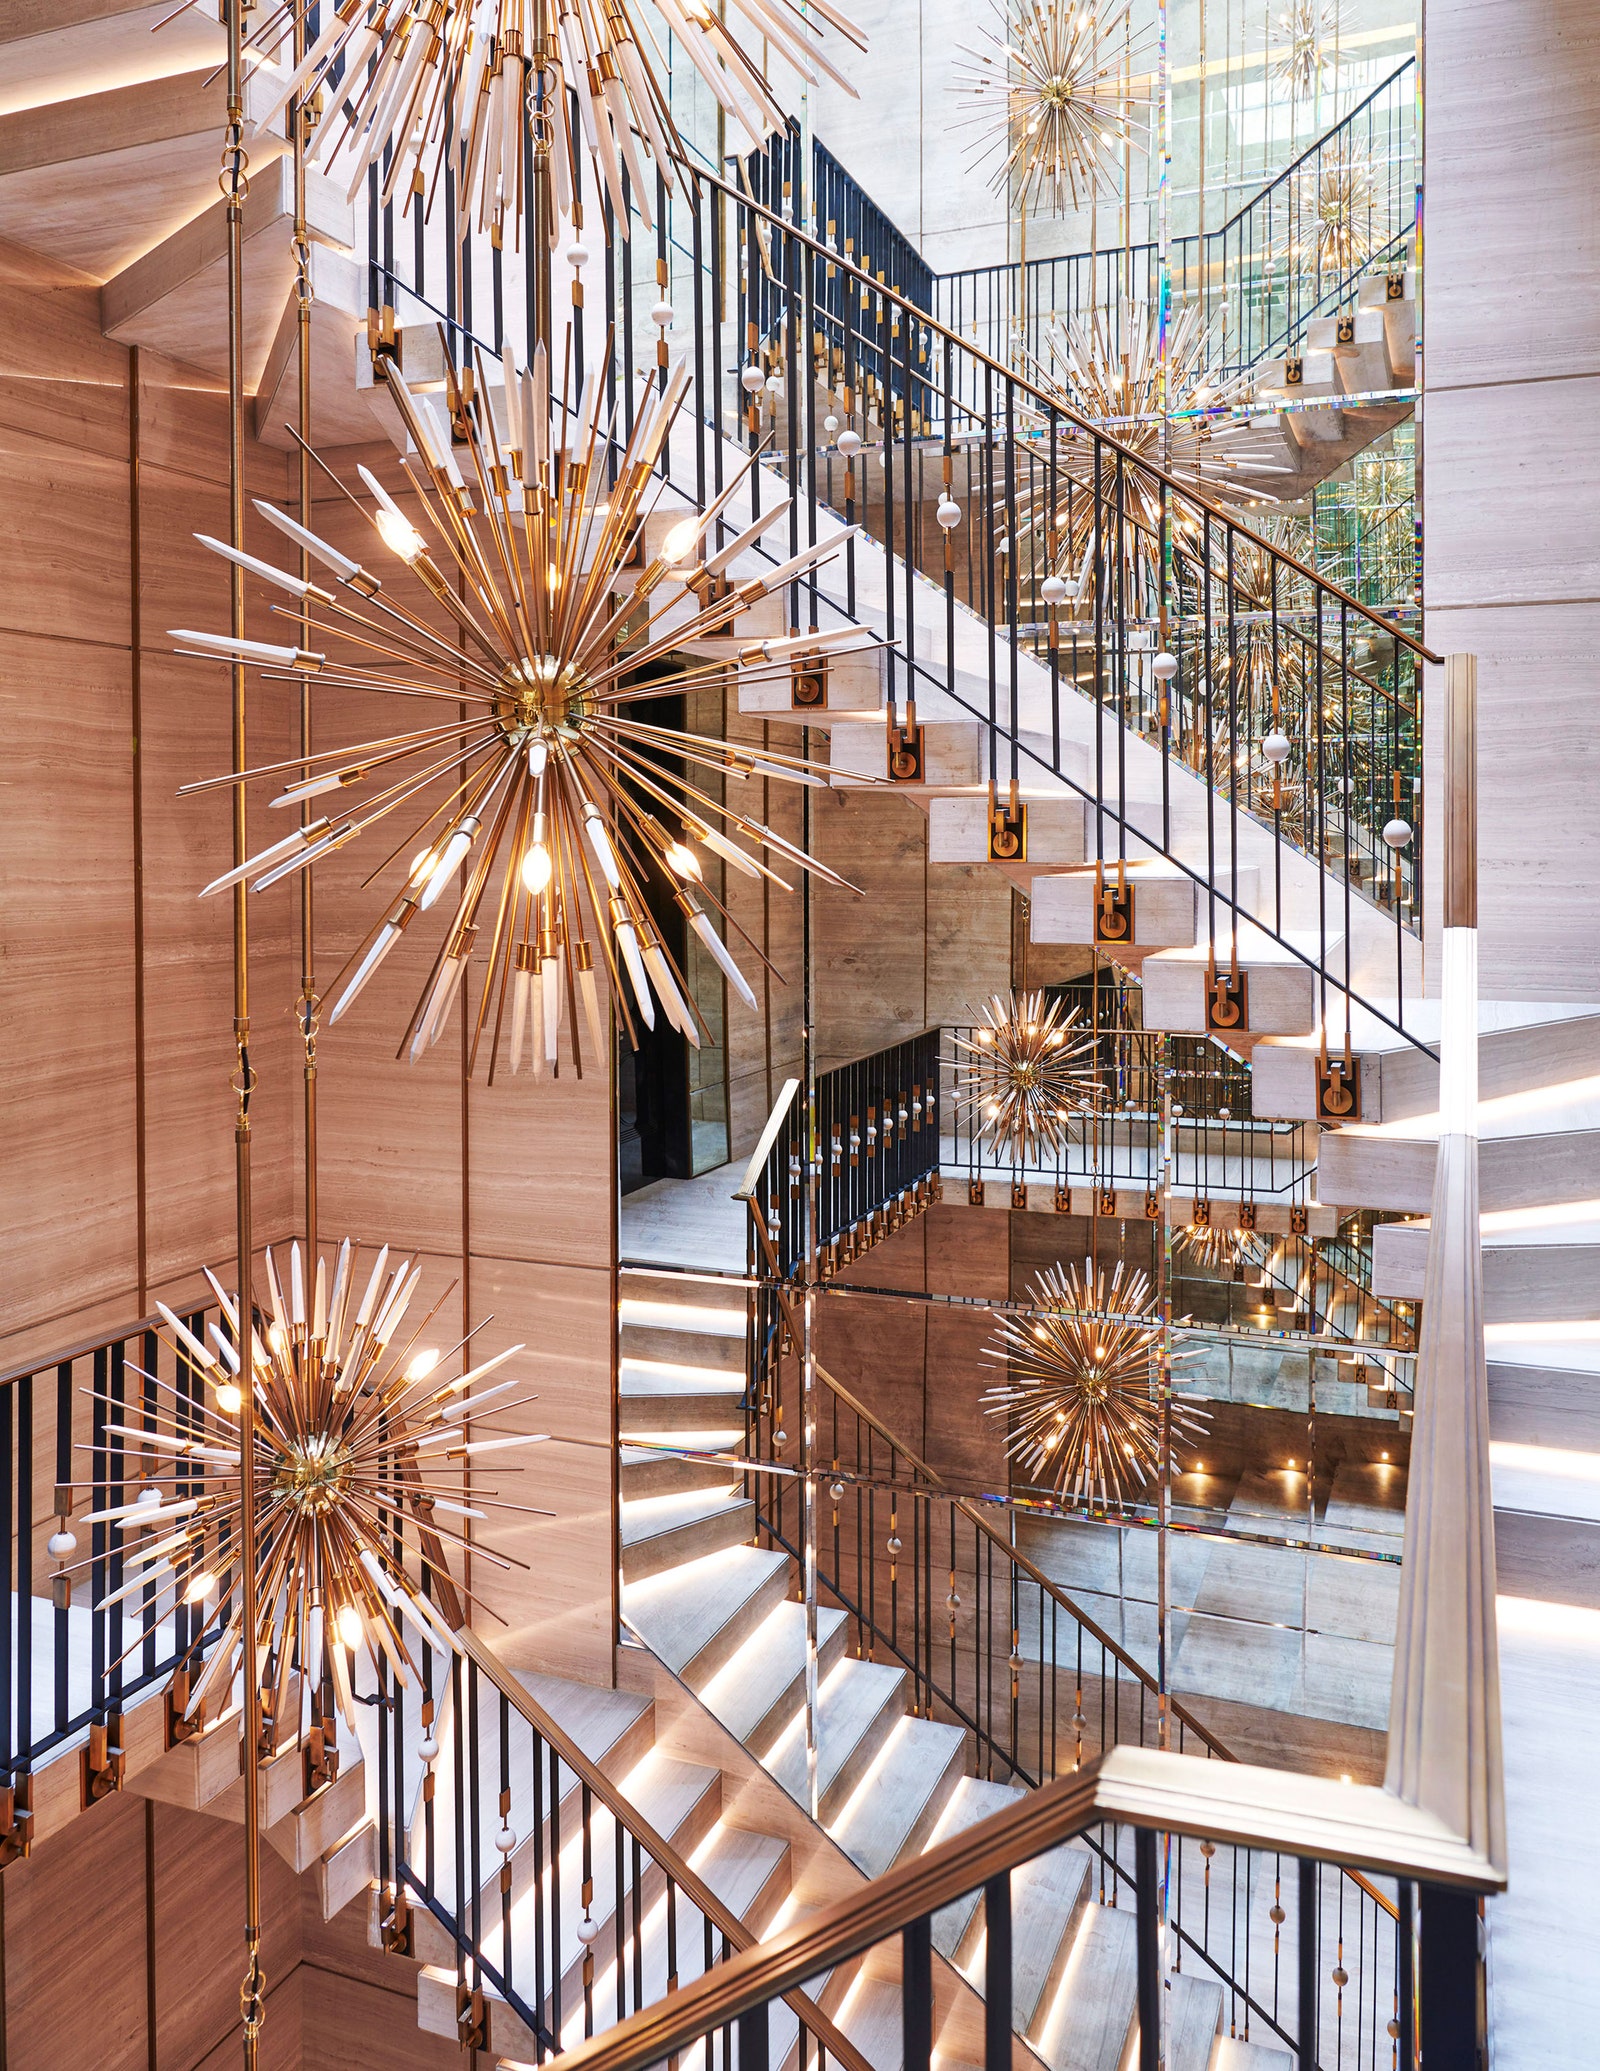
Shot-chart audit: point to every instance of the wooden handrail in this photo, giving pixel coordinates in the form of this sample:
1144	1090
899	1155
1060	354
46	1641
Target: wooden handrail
838	2045
1269	1809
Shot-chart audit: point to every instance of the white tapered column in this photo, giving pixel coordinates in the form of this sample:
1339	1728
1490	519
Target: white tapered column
1444	1712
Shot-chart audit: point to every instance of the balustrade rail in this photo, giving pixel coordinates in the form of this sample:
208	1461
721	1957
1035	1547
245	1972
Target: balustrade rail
1344	208
96	1620
510	1856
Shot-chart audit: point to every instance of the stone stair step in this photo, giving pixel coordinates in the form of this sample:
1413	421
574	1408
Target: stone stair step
958	828
852	692
973	1798
317	1823
655	1395
1193	2019
858	1707
951	755
68	49
1379	1167
682	1334
899	1801
348	407
1232	2053
755	1695
1555	1272
1282	991
348	1868
152	144
682	1290
173	298
646	1470
697	1616
661	1532
1165	904
1093	2017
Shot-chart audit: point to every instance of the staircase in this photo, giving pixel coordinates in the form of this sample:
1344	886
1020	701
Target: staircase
889	1784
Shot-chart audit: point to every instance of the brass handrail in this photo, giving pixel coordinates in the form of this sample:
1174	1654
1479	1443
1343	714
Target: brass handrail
1059	409
699	1893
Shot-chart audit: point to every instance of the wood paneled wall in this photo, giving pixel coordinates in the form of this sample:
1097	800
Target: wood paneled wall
1511	463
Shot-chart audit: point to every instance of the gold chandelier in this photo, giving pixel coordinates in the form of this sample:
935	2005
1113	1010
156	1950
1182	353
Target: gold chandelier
1337	199
1081	1396
1209	1244
1112	372
1051	80
546	776
427	87
1032	1068
359	1451
1308	50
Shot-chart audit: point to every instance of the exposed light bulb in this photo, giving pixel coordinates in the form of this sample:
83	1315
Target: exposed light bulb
200	1587
536	868
680	541
351	1629
398	534
228	1398
423	1364
683	860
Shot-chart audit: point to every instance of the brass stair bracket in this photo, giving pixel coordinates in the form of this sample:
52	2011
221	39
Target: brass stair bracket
1227	1001
16	1820
1113	907
179	1724
102	1763
905	758
808	683
1008	829
1338	1089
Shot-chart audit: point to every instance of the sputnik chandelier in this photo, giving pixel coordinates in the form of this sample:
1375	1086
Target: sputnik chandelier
1208	1244
1080	1396
1308	47
1338	199
430	86
359	1456
1031	1070
546	776
1052	79
1112	373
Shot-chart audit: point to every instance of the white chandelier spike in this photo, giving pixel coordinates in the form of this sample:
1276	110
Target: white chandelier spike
537	822
476	87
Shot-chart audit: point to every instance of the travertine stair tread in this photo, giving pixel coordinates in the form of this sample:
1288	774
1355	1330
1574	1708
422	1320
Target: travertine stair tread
756	1692
660	1468
697	1615
648	1377
897	1803
857	1709
1094	2012
973	1798
1193	2017
1233	2054
657	1532
710	1351
688	1316
658	1289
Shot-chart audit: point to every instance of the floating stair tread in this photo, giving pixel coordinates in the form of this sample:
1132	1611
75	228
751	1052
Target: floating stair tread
858	1708
677	1798
1193	2018
662	1315
651	1517
642	1377
897	1803
754	1693
1093	2015
657	1287
1233	2054
696	1615
1255	947
598	1720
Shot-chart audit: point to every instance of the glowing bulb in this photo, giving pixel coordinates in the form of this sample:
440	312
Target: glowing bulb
680	542
275	1337
536	868
683	860
200	1587
398	534
351	1629
228	1398
421	864
423	1365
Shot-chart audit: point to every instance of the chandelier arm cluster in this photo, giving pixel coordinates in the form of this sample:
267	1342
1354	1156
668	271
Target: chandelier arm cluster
429	87
1081	1396
351	1425
552	805
1030	1069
